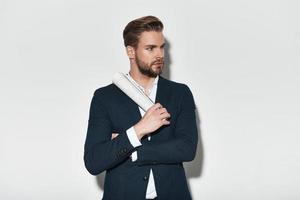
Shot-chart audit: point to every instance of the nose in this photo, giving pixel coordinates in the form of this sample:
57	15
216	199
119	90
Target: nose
160	53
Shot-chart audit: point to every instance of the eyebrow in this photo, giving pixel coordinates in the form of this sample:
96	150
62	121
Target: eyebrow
152	45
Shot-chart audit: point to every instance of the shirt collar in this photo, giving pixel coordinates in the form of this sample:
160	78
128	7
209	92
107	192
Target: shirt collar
154	82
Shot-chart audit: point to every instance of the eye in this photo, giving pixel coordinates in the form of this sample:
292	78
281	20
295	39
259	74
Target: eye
149	48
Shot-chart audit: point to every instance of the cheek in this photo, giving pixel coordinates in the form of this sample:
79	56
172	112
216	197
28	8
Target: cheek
146	56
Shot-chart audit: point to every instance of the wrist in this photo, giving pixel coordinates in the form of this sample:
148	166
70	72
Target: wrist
138	131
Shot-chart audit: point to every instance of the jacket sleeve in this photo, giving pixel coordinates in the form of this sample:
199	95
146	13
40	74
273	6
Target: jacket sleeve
182	147
100	152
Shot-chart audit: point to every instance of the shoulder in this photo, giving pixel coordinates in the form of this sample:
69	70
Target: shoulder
180	92
175	86
106	92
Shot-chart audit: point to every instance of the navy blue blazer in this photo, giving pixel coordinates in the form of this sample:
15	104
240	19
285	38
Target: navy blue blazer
112	111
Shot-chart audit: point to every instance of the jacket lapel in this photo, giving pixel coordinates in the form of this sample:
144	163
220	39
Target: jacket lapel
162	93
134	111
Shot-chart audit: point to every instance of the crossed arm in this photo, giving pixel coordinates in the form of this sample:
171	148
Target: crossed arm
102	152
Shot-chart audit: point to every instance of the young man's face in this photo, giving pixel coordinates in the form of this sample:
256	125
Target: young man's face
149	54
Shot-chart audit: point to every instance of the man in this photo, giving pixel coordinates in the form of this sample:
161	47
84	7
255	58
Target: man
142	152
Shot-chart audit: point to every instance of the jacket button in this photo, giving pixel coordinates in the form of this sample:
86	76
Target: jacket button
145	178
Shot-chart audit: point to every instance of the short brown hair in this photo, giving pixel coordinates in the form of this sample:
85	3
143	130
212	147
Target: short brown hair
135	28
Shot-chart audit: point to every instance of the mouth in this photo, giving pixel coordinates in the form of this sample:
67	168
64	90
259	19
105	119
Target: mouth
159	63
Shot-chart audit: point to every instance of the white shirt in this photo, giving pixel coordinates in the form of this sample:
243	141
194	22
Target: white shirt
151	191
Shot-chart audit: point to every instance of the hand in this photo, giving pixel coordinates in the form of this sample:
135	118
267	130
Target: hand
155	117
114	135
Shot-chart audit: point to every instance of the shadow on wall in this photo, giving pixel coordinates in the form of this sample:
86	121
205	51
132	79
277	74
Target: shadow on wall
193	169
168	61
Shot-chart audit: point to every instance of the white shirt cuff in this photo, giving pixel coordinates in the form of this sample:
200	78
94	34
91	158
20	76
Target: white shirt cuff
133	139
134	156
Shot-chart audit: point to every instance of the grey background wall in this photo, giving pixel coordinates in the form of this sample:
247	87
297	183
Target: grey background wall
240	59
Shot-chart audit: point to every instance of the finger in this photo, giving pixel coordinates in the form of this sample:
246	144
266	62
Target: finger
162	110
165	115
153	108
156	106
165	122
114	135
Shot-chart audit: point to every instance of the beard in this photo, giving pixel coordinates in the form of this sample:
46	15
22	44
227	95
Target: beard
147	70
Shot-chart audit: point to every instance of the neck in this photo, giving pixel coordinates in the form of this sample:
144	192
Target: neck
145	81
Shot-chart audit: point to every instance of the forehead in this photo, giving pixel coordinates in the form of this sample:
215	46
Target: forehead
152	38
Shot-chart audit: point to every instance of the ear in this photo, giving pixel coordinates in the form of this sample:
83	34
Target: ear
130	52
